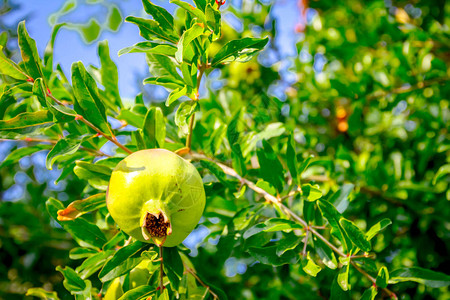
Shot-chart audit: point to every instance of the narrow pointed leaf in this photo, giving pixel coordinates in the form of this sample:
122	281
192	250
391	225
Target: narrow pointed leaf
175	95
355	234
424	276
151	30
184	113
186	39
28	119
85	234
150	48
154	128
30	55
87	102
382	278
109	74
10	68
271	169
239	50
62	147
194	11
159	14
377	228
79	207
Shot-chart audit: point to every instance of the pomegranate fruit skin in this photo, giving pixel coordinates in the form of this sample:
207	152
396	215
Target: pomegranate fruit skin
156	183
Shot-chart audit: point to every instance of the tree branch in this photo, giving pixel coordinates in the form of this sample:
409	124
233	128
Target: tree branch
89	124
231	172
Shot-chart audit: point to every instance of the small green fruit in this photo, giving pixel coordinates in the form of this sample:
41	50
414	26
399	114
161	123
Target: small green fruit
156	196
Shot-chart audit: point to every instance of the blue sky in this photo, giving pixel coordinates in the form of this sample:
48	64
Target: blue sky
69	46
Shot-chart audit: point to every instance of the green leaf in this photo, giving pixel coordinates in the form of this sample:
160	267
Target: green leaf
154	128
375	229
424	276
109	74
233	133
336	291
30	55
131	118
213	20
141	292
10	68
443	171
271	169
342	278
42	294
93	264
124	260
186	39
116	240
150	48
48	53
138	140
239	50
28	119
114	18
325	253
166	81
340	198
289	242
173	265
201	4
184	113
87	101
291	159
369	294
304	165
310	267
194	11
268	256
90	31
79	207
271	225
73	283
175	95
83	232
159	14
97	175
80	252
272	130
150	30
17	154
311	192
62	147
266	187
216	171
355	234
382	278
161	65
333	216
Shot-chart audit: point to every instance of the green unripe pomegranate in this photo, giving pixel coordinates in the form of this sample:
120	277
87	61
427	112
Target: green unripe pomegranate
156	196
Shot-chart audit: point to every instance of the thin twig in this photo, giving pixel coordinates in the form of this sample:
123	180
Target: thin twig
306	242
82	119
161	270
111	139
192	272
